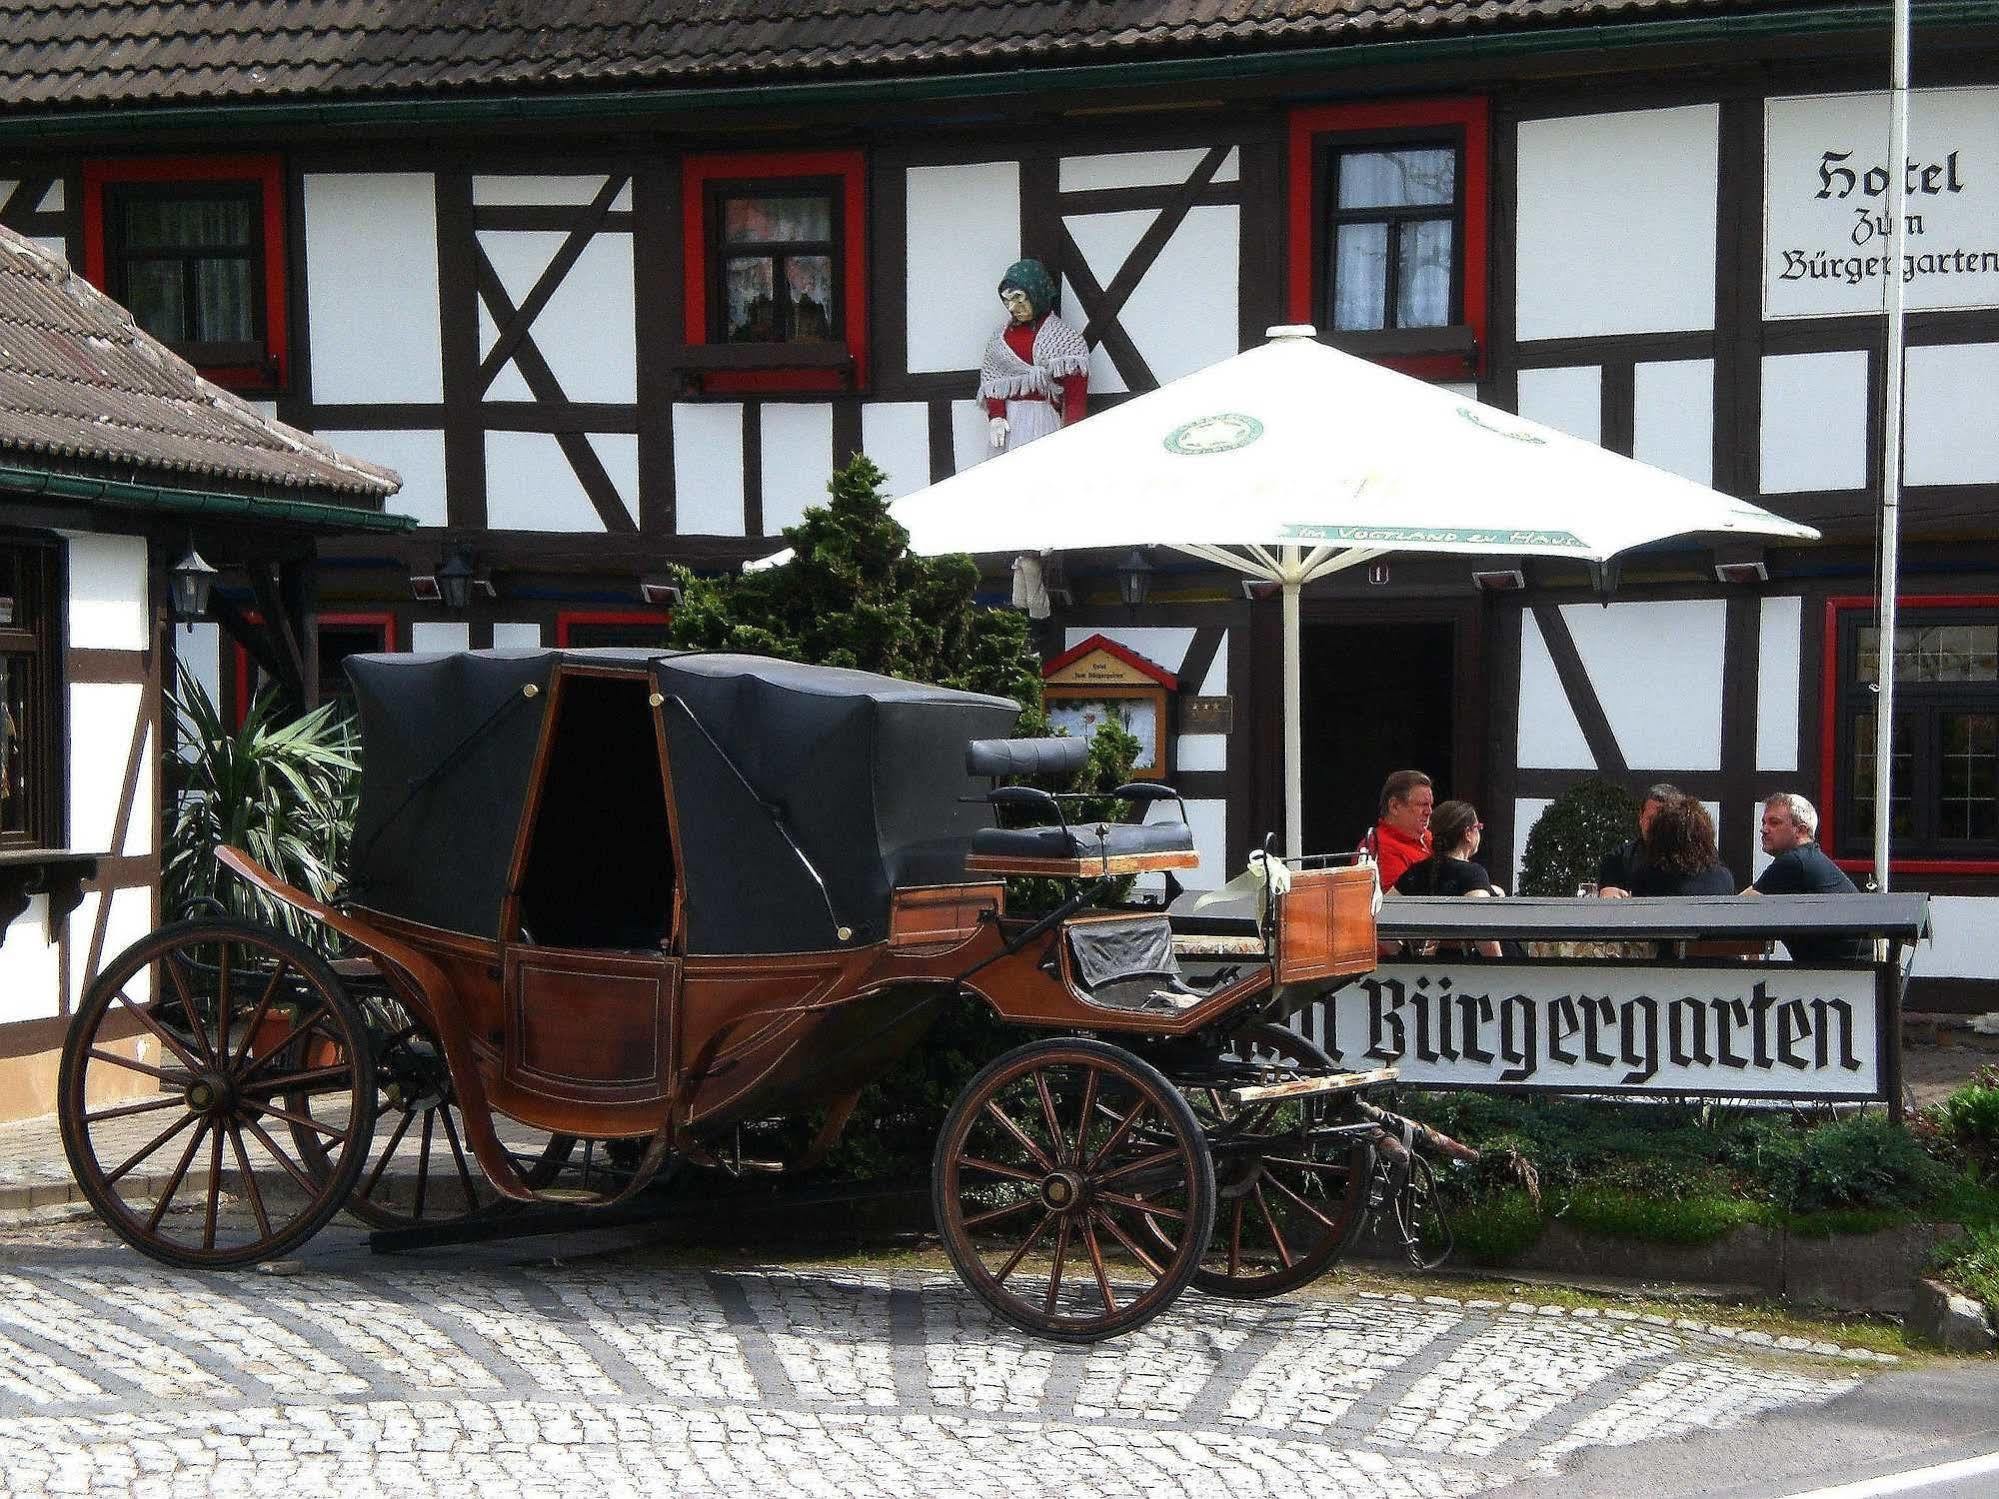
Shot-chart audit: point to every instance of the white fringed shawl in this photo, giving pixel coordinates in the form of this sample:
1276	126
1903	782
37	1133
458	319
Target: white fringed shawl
1059	351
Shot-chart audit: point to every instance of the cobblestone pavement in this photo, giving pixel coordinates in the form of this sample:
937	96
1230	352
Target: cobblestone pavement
462	1373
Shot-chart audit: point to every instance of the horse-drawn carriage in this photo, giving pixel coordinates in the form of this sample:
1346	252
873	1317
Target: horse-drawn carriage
605	908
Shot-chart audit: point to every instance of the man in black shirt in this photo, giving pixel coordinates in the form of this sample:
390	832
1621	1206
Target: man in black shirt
1798	866
1617	871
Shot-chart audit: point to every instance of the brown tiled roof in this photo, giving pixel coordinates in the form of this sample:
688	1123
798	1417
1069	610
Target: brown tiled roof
83	390
62	53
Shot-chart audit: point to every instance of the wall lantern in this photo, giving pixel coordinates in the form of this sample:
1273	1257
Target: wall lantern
1134	579
454	579
189	582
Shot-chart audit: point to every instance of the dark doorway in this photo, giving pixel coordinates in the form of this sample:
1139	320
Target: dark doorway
1377	697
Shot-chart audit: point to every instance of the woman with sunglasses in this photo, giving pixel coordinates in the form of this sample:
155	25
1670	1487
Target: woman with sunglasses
1455	833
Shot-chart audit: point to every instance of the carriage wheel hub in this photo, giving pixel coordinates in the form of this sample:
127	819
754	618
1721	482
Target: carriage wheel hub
1062	1191
209	1095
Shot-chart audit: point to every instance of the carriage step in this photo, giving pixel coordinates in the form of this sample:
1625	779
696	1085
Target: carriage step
1337	1082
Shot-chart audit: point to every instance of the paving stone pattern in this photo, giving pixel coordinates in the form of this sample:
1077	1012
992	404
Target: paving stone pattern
619	1376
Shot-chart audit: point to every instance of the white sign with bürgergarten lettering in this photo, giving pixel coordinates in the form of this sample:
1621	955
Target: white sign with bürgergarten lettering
1729	1031
1826	177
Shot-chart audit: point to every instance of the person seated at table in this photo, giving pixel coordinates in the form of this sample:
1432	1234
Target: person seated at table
1401	835
1798	866
1455	834
1618	868
1680	853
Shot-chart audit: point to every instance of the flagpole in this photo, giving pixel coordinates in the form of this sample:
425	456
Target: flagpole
1891	444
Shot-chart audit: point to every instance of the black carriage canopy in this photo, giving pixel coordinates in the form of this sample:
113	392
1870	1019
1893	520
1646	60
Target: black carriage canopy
805	794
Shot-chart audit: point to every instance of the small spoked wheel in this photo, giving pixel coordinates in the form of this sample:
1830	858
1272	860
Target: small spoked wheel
1073	1189
196	1058
420	1168
1291	1188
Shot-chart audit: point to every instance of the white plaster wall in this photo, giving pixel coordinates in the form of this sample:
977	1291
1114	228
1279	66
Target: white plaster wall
371	286
1779	633
139	830
708	469
1569	400
1814	432
1216	683
964	231
107	591
1106	241
1183	315
1673	417
1965	940
516	636
1141	169
417	455
1952	438
526	190
797	461
508	383
198	647
443	635
102	717
969	444
896	434
1550	738
52	199
586	331
1167	645
30	971
131	918
530	486
618	452
1200	752
1656	668
1617	223
1208	818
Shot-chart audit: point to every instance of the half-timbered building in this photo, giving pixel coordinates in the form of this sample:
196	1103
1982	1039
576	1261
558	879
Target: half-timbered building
614	287
116	461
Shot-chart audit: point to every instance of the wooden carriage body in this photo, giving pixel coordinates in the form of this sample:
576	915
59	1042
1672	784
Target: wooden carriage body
637	892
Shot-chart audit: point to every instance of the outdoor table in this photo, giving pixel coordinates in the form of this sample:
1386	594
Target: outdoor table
1681	1023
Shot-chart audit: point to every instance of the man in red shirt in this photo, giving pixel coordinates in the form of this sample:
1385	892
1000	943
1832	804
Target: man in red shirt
1402	835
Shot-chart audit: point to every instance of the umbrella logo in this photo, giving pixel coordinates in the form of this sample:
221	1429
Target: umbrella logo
1221	433
1513	432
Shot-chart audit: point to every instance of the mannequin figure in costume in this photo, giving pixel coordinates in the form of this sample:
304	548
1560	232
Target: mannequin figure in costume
1035	376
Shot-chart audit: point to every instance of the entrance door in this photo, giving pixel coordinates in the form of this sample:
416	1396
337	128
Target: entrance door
1378	696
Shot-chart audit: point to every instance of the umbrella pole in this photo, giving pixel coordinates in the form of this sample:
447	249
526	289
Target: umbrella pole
1294	731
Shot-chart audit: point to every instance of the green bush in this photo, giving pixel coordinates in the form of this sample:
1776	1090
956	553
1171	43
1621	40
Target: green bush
1492	1230
1572	836
1971	1117
1861	1162
1971	1264
1694	1218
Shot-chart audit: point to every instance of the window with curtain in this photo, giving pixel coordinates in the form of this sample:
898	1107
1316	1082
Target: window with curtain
775	258
1391	233
29	770
187	259
1944	793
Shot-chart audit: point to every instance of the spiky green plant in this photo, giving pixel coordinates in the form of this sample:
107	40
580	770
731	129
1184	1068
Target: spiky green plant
282	791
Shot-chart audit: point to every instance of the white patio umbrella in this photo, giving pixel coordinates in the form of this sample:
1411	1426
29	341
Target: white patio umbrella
1292	461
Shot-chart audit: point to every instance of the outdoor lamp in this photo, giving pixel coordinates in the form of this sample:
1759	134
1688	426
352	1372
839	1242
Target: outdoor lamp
190	580
454	579
1134	579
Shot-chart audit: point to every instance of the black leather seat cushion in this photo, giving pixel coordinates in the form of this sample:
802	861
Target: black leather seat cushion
1080	841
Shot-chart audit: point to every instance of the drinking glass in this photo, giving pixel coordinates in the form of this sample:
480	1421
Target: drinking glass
1585	888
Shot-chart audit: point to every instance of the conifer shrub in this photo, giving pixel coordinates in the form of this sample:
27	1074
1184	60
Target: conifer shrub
1579	827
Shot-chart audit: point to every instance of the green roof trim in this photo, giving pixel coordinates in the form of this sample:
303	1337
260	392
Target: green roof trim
626	104
164	499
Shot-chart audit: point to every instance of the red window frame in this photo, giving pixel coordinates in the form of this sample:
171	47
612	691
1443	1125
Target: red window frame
383	622
1309	127
566	619
267	172
1829	685
850	167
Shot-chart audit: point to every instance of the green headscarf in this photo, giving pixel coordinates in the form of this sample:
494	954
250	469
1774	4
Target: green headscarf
1031	277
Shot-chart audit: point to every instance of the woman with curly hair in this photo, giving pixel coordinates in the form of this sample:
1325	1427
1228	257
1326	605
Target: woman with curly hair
1680	853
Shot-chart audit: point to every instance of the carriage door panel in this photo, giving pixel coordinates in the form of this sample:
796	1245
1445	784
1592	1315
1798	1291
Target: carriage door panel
590	1027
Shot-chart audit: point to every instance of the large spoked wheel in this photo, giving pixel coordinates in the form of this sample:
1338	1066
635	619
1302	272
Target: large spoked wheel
1073	1189
194	1055
419	1169
1291	1194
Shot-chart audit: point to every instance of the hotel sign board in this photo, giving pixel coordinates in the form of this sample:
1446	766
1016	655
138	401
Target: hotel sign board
1825	203
1738	1031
